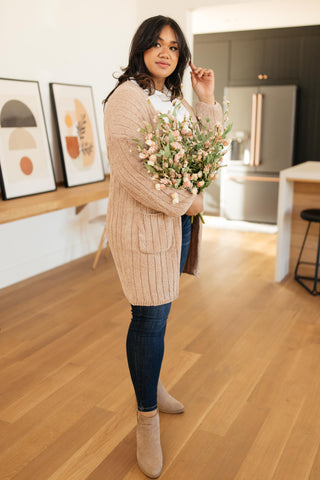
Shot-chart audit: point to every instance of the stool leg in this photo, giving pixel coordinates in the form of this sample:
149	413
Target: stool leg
304	241
96	258
317	267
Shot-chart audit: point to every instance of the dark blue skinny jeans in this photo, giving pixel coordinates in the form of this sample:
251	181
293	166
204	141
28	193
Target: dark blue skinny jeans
145	340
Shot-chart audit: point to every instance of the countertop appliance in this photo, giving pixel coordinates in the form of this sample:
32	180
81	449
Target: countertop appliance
262	145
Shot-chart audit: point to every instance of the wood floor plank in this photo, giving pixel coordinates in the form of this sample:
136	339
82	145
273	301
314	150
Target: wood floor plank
264	455
195	457
315	471
42	391
68	443
239	439
299	453
88	458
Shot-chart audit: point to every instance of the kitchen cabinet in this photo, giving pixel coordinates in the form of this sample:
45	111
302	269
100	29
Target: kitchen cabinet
264	60
214	56
246	60
281	58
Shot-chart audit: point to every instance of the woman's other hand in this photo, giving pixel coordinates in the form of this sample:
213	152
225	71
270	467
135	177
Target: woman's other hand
203	84
196	206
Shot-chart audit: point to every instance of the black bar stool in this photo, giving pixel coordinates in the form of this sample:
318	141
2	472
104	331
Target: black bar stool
311	215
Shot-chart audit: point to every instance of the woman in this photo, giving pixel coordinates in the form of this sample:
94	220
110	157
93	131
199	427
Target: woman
151	238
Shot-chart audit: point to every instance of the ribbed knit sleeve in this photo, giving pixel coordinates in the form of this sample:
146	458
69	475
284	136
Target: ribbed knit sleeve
213	112
126	111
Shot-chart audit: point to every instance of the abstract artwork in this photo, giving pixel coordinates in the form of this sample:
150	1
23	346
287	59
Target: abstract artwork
25	157
77	133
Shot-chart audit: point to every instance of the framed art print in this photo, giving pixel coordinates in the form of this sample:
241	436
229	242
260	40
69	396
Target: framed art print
25	157
77	133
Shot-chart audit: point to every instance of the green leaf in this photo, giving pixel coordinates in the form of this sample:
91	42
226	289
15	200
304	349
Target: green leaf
150	168
227	130
167	151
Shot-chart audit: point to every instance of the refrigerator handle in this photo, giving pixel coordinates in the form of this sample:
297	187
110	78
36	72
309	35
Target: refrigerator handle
253	129
258	130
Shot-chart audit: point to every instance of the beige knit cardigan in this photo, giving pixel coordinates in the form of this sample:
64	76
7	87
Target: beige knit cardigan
143	225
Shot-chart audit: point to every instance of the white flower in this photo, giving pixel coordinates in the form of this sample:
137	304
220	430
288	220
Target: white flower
175	197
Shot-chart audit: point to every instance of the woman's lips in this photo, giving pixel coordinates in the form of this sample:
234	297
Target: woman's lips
163	64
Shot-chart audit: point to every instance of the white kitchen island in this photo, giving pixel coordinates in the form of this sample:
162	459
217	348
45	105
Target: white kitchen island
299	189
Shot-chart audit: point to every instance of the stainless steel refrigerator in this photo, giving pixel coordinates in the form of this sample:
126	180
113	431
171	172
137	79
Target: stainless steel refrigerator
262	145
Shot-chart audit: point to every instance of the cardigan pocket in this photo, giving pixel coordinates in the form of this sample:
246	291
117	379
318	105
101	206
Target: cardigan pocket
155	233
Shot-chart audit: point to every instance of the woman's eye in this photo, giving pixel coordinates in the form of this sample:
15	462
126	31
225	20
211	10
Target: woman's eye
157	44
174	49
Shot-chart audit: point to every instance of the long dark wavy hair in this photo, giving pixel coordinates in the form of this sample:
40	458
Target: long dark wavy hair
146	37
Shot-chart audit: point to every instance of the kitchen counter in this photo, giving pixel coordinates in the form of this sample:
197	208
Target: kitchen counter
299	189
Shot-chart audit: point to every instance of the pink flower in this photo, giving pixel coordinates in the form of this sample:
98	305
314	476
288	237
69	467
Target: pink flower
176	134
187	183
153	149
177	157
194	191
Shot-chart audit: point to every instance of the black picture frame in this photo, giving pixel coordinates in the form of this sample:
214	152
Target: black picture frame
26	166
77	133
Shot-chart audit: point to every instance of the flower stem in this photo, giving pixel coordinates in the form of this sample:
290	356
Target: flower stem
202	219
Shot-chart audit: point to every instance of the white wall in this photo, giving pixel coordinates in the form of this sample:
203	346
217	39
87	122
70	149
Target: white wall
253	15
73	41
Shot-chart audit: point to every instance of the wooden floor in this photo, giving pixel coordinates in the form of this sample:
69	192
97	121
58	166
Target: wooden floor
242	353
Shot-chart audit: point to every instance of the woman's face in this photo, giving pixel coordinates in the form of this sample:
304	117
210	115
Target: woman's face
162	59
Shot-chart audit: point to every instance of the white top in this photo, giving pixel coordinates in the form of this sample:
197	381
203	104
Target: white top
161	102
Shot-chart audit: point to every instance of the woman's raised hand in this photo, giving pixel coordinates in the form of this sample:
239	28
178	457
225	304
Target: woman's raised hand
202	80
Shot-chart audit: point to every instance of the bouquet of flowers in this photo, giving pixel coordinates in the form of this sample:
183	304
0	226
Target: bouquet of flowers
183	155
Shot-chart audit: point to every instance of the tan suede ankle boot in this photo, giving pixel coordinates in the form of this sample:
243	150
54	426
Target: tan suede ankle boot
149	452
166	403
